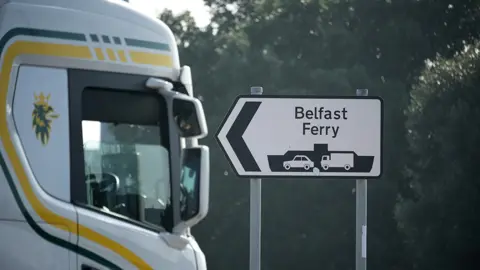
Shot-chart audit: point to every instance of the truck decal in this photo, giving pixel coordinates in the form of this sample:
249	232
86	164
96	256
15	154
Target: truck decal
147	44
42	117
132	42
137	57
55	220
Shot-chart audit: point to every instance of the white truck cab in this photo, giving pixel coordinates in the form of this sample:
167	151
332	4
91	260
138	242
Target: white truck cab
99	162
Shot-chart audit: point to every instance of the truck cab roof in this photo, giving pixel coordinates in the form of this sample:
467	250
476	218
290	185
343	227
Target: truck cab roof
111	8
112	18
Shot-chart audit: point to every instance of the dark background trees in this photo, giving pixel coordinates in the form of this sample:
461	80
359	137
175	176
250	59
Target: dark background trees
441	223
423	212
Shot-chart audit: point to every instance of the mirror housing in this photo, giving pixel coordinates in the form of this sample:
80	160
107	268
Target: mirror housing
187	111
195	187
189	117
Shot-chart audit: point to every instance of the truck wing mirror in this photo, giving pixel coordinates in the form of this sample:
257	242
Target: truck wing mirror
194	186
189	117
186	111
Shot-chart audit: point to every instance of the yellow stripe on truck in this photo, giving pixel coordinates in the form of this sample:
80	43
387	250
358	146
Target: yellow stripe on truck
151	59
55	50
99	53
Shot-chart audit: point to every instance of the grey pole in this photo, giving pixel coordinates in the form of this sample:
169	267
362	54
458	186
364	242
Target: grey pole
361	216
255	211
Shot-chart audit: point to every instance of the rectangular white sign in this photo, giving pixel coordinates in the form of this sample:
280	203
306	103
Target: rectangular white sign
304	136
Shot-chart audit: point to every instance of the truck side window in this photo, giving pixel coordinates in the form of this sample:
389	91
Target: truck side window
126	154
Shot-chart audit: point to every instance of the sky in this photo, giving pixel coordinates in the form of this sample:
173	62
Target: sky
153	7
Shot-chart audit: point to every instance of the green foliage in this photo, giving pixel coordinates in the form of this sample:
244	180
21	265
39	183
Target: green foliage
331	48
444	136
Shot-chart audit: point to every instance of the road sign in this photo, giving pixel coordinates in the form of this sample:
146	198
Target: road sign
304	136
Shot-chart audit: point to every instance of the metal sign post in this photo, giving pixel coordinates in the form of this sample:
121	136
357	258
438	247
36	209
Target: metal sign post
361	216
255	211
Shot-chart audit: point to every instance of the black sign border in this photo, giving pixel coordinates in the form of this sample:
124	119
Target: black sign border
260	97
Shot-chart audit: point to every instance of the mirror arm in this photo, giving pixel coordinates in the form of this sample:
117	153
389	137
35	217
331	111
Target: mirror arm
180	228
178	242
159	84
190	143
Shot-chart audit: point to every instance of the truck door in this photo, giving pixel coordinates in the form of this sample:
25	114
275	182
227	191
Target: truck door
120	173
38	135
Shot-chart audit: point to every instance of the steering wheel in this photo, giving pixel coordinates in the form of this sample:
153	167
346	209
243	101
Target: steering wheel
108	181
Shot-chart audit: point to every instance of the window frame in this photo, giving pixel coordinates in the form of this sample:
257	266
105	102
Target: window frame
80	80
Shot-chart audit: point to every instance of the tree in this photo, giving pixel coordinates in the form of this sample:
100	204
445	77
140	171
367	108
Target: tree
444	136
313	47
314	225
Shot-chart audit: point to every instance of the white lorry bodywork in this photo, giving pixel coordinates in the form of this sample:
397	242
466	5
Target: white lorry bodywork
52	51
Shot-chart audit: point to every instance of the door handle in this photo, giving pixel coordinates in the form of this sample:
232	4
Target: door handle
88	267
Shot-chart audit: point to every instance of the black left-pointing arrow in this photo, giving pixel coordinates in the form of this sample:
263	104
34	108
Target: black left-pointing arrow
235	136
